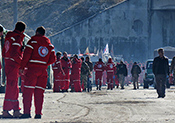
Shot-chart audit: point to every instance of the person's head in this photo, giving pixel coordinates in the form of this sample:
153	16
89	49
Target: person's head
87	58
82	58
58	54
76	56
161	52
135	63
40	30
121	62
20	26
1	31
100	60
65	54
110	60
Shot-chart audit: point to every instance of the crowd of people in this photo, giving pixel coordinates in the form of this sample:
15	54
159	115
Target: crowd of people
76	73
31	64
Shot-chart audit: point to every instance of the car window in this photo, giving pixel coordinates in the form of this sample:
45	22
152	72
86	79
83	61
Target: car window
149	65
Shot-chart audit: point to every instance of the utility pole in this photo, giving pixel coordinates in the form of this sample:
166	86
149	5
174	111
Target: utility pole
15	11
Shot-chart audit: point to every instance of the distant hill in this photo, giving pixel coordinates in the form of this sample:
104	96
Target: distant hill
54	15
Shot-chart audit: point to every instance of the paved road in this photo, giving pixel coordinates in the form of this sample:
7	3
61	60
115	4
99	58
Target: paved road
106	106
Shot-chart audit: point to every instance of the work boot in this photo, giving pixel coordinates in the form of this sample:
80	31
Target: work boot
37	116
100	88
97	87
16	114
6	114
25	116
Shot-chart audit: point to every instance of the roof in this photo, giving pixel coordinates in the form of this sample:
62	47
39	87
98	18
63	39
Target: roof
166	48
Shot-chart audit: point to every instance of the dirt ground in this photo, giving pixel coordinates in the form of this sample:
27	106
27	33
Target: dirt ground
106	106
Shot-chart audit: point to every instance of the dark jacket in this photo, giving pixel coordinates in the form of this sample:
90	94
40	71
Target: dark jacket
160	66
85	69
121	69
90	65
135	70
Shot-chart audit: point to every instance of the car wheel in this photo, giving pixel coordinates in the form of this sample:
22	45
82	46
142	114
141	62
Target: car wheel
145	84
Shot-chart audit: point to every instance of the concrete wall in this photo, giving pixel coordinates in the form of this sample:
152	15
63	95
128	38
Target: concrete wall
162	24
163	4
123	25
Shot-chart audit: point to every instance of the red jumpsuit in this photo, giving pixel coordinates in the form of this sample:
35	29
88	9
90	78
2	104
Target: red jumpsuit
75	74
12	54
66	65
39	53
99	67
110	68
58	74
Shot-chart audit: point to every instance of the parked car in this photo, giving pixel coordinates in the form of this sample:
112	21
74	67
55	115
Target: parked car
149	78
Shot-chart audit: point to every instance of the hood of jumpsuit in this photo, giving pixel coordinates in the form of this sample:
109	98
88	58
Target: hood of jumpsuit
110	60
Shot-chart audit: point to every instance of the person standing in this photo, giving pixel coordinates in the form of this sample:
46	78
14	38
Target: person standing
12	53
122	72
58	73
135	71
160	70
99	67
38	55
89	84
85	71
110	69
75	74
66	65
1	34
116	76
172	68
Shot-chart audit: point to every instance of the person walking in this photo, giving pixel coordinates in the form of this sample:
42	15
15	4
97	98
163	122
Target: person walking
122	72
75	74
66	65
99	67
160	70
110	69
38	55
89	84
58	73
12	53
135	71
85	71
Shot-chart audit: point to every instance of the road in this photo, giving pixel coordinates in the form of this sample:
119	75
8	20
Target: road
106	106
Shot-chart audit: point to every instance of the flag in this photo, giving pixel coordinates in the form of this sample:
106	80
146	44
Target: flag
97	52
112	51
87	51
100	55
106	50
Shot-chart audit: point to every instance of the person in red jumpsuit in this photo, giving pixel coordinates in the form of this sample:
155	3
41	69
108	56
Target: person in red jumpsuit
75	73
38	55
12	53
66	65
99	67
58	73
110	68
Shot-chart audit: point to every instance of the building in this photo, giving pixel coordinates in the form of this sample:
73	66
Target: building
134	27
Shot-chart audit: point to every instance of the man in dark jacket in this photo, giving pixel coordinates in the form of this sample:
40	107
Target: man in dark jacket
85	71
135	71
160	70
122	72
89	84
